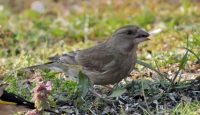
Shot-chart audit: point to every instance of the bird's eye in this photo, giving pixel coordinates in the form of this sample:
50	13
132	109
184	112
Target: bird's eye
129	32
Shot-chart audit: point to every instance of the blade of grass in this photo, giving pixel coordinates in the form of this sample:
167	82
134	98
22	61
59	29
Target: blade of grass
152	68
192	53
182	63
197	29
148	110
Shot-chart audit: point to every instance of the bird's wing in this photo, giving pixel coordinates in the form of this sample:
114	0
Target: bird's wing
96	58
67	58
12	99
10	102
93	59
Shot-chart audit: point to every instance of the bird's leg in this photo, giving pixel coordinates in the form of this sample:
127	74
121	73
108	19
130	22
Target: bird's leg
109	87
91	89
94	92
99	96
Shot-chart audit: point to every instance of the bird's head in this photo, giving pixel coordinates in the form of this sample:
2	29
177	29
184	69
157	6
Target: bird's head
126	38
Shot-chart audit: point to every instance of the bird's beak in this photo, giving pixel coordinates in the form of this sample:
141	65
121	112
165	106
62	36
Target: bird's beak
141	36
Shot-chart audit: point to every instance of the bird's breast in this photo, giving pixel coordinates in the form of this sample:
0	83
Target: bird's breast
114	73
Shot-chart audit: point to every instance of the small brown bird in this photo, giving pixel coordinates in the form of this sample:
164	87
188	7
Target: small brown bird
106	63
11	103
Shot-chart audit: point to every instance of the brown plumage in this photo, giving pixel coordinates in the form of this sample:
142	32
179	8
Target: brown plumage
106	63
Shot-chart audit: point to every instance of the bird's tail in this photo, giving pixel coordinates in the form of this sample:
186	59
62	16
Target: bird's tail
50	65
69	70
45	65
60	63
